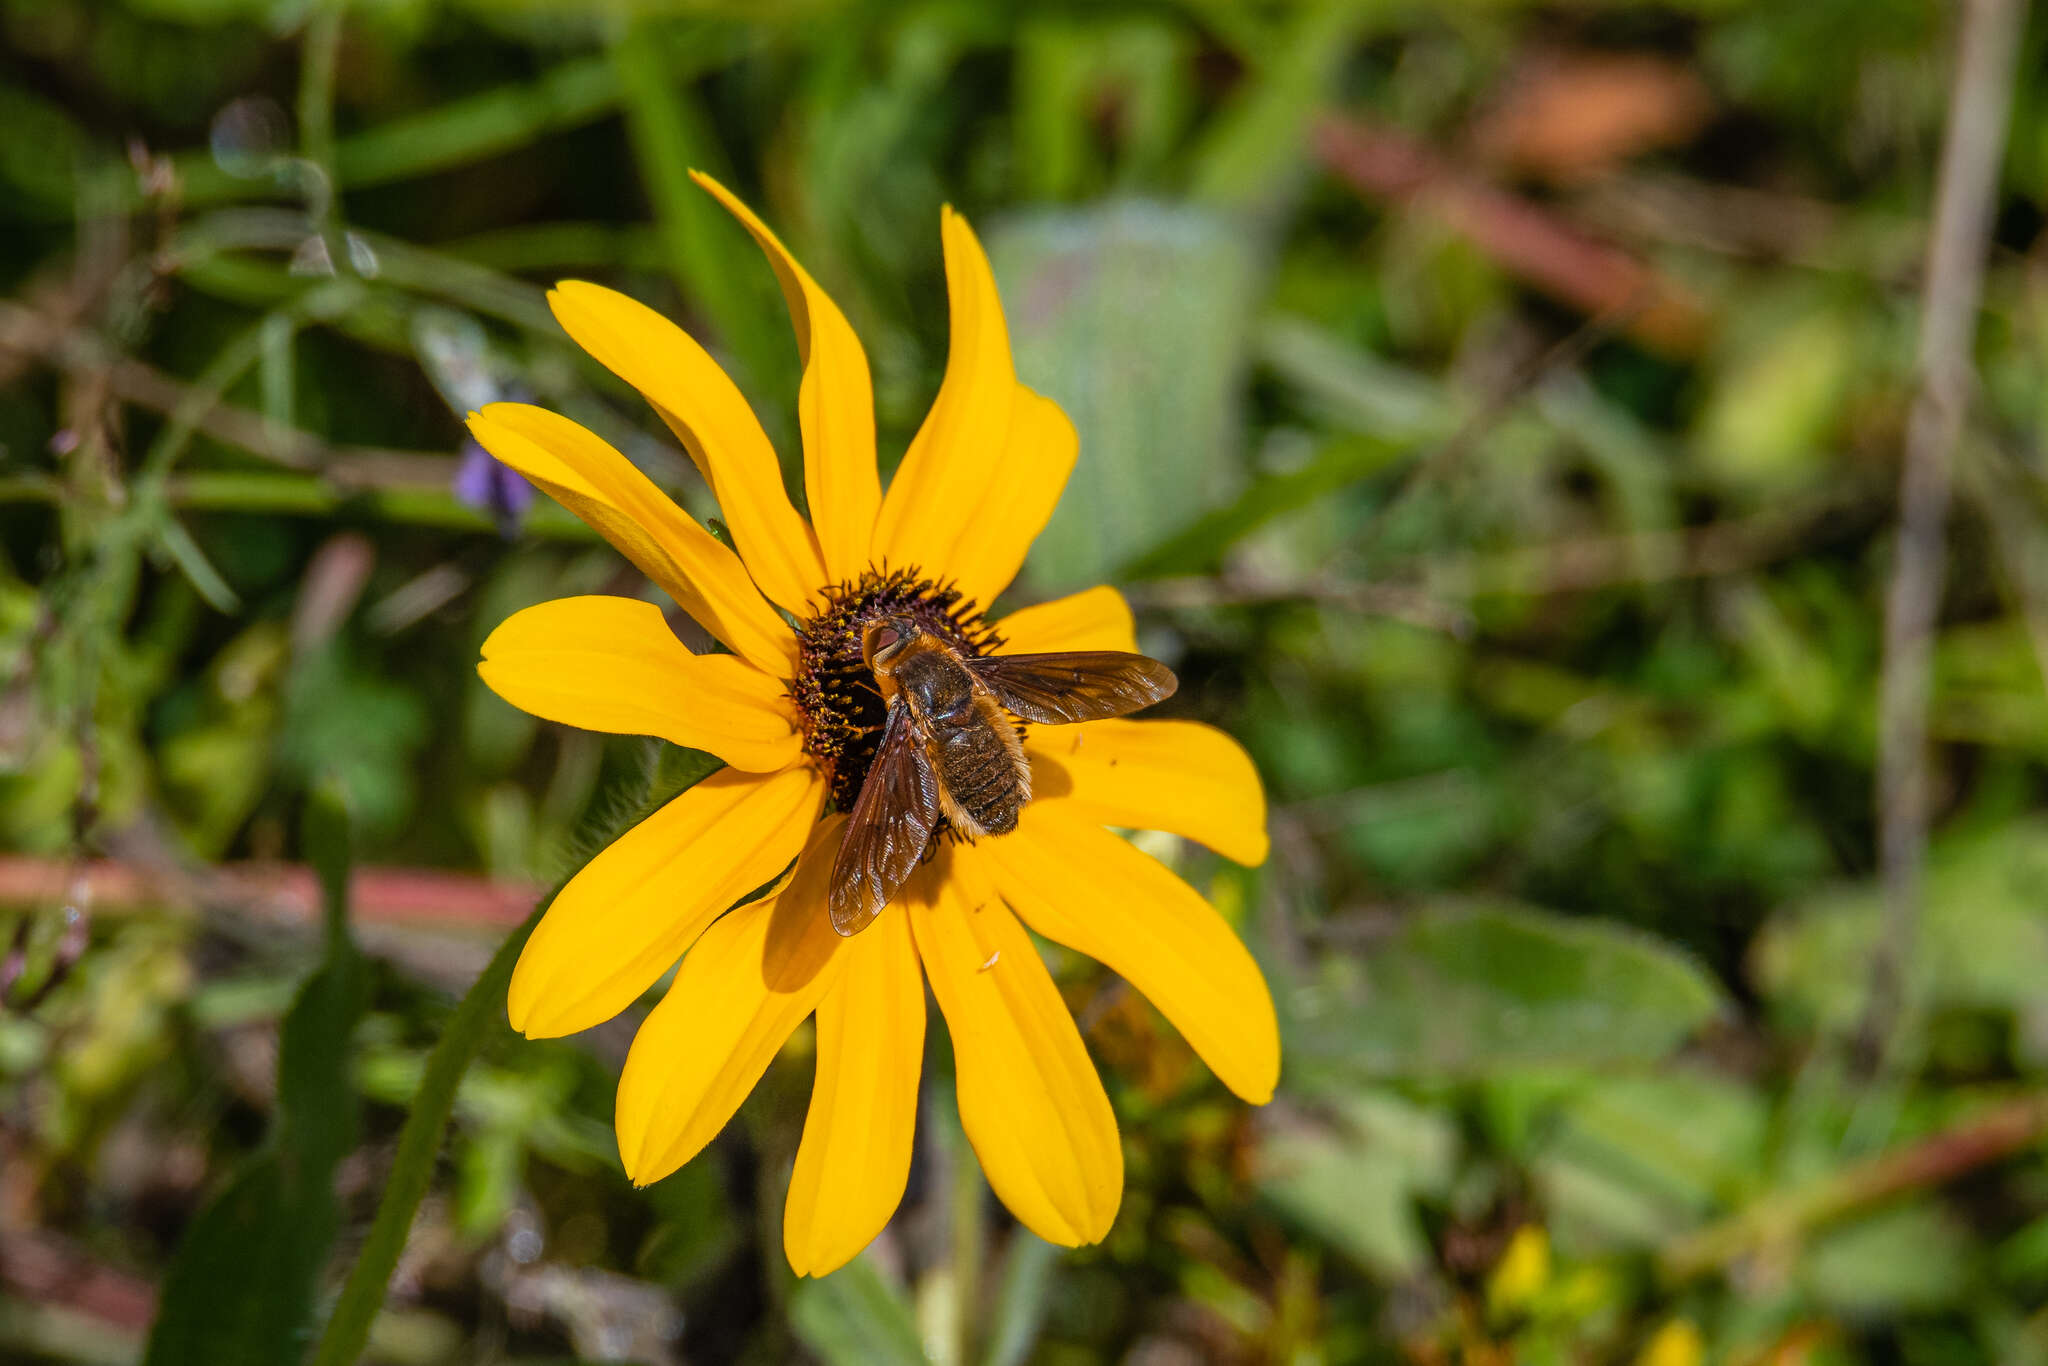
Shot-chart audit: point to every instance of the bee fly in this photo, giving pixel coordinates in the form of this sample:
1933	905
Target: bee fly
948	748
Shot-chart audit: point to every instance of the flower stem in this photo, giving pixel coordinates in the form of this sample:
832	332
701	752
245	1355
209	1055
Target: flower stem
419	1143
967	1197
316	84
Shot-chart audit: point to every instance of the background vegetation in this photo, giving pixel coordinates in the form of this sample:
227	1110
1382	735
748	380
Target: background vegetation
1496	415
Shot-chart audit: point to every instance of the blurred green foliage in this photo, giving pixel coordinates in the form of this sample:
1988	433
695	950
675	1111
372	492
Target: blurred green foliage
1556	641
242	1285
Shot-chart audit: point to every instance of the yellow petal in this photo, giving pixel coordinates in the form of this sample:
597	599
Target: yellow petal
1080	885
1030	1100
855	1156
626	918
956	456
1180	776
1094	619
612	664
1037	456
747	983
583	473
707	413
835	405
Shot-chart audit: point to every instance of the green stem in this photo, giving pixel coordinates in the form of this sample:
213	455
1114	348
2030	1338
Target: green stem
465	130
558	246
229	364
308	495
316	89
966	1197
30	488
205	248
446	136
321	185
419	1144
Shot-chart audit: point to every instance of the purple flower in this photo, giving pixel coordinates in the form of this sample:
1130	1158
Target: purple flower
485	484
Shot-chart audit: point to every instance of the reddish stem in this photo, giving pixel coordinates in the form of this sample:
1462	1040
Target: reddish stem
284	892
1524	238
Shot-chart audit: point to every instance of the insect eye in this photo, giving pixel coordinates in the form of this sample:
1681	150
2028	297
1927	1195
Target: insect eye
885	637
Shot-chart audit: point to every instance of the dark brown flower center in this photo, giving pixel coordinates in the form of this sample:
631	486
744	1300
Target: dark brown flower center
834	688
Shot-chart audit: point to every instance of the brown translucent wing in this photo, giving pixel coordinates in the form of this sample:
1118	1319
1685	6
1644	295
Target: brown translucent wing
891	822
1082	685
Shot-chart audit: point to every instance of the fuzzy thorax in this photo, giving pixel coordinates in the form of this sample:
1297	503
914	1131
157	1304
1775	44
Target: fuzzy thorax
834	688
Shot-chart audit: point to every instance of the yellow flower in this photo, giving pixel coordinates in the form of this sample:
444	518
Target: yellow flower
1677	1343
785	713
1523	1271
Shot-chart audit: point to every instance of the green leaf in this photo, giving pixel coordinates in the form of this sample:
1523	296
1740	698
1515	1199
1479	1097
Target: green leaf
1382	413
1768	424
184	552
1149	371
1983	944
353	725
240	1289
1021	1298
854	1317
1636	1160
41	155
1356	1186
1465	990
1349	387
1337	463
1914	1258
242	1284
2022	1258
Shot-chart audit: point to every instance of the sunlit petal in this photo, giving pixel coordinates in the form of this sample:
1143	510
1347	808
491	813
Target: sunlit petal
708	414
1080	885
956	457
625	919
586	475
748	982
1037	456
1180	776
1030	1100
835	405
612	664
1093	619
854	1160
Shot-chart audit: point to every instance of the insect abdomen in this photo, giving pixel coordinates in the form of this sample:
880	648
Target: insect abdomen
983	781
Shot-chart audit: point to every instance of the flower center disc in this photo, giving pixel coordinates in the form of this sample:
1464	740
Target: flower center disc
835	690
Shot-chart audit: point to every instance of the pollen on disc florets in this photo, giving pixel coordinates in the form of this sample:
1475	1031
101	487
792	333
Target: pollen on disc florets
842	708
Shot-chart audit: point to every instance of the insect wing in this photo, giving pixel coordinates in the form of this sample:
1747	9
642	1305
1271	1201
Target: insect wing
1083	685
891	822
